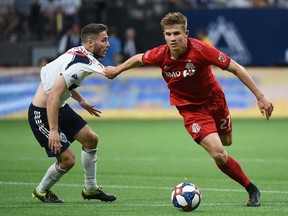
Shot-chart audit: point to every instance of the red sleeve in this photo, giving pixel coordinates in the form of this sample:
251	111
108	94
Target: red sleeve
215	57
154	56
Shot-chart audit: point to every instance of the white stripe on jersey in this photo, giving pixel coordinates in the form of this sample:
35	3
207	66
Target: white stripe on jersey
40	124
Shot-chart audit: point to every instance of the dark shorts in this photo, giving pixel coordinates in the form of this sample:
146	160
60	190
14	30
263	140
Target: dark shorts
69	123
211	117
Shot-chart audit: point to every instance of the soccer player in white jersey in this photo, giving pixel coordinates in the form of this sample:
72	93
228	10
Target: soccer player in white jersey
55	124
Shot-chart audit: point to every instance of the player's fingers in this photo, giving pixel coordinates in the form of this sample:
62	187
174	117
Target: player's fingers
268	113
51	144
97	111
56	148
262	111
55	145
93	112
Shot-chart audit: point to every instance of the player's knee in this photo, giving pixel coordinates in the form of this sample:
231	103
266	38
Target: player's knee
67	162
220	157
92	141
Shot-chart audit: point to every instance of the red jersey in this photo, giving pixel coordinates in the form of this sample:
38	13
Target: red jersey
189	78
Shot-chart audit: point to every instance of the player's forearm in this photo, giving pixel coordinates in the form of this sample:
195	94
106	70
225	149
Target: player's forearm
76	96
250	83
53	103
132	62
245	78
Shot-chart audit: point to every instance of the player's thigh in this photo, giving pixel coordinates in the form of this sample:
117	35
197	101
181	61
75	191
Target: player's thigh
40	127
222	118
226	139
197	122
213	145
87	137
70	122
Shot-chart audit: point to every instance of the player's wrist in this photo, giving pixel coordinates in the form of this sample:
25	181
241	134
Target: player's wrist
53	129
260	96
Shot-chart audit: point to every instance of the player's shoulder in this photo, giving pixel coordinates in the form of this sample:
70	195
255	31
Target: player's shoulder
160	51
198	44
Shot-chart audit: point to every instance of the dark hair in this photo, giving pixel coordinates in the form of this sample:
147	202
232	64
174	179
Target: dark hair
92	29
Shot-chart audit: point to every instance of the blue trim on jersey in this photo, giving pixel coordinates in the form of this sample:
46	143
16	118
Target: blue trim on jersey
79	58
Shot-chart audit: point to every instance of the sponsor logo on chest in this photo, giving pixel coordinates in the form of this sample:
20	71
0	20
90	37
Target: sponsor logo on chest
188	72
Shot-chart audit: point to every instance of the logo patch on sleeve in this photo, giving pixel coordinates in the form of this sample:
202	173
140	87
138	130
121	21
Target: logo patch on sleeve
74	76
221	58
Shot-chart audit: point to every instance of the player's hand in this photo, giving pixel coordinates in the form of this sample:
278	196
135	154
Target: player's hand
90	108
54	142
265	107
110	72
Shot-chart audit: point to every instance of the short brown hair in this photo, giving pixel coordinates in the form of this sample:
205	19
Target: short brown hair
174	18
92	29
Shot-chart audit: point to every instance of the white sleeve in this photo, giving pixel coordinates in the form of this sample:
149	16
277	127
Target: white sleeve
94	67
76	73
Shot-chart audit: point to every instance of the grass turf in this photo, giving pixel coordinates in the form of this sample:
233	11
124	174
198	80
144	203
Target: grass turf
141	162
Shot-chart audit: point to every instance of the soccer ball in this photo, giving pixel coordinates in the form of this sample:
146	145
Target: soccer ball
186	196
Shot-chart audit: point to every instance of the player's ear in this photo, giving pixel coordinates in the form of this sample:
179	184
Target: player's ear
186	33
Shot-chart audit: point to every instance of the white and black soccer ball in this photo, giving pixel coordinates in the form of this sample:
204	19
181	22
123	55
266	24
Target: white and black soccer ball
186	196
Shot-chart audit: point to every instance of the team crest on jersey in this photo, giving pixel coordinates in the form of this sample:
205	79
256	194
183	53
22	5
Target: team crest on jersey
190	69
221	58
196	128
190	66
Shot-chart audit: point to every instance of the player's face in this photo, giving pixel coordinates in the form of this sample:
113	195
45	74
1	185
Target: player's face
99	45
176	38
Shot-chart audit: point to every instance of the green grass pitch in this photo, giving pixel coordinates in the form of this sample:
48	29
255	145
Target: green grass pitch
141	162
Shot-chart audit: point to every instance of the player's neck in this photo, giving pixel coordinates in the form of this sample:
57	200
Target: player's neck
175	54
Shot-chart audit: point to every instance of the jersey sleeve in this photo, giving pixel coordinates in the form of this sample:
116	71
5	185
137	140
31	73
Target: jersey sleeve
77	70
154	56
74	75
215	57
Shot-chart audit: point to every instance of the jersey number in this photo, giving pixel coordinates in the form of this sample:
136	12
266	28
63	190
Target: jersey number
225	123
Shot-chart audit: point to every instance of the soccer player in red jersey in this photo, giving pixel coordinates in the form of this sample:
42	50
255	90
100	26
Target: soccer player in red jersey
186	65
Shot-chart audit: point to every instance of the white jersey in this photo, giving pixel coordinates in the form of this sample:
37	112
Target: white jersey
74	65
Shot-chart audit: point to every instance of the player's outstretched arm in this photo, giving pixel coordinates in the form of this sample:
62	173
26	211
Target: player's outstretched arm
135	61
265	106
85	104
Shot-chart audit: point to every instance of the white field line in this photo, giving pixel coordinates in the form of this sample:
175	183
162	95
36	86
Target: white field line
137	205
152	159
140	187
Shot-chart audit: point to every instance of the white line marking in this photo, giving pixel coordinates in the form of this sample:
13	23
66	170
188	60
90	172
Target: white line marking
136	205
140	187
152	159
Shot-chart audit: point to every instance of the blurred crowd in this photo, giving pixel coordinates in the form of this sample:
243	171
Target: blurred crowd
61	21
49	19
22	20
